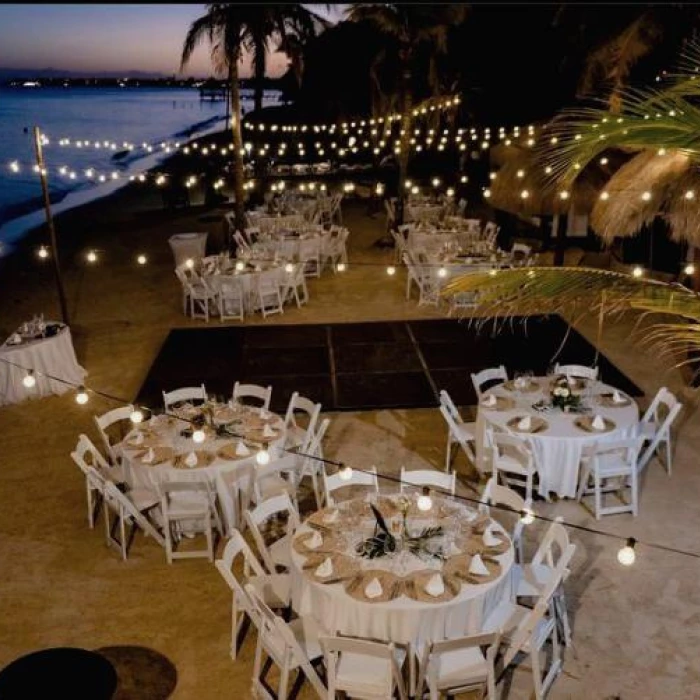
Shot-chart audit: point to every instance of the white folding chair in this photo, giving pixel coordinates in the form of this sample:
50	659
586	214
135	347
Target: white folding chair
339	480
655	427
552	558
297	434
252	391
105	423
129	509
580	371
198	292
611	460
269	296
292	646
240	241
274	589
295	286
399	245
311	456
230	298
310	256
188	393
362	668
278	477
513	460
278	552
443	481
187	503
491	374
496	495
412	274
233	489
458	431
463	665
88	458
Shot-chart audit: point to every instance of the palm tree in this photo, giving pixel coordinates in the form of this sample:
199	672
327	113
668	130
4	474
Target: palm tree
411	33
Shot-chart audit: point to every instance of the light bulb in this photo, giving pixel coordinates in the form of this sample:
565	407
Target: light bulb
604	196
289	267
487	193
637	271
436	182
424	501
564	195
43	252
82	396
527	516
689	269
189	263
520	174
524	194
141	259
345	473
262	457
240	266
91	256
442	272
646	196
341	267
690	194
391	270
627	556
29	379
136	416
199	436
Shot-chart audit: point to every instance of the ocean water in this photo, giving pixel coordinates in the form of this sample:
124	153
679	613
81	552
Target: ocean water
131	115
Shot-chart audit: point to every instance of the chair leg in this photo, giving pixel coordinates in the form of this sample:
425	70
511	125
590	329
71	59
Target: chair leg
598	495
668	454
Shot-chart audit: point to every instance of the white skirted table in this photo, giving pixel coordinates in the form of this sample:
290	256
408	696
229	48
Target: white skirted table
52	355
403	597
188	246
557	437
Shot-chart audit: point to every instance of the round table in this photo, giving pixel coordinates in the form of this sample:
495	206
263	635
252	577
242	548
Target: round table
557	448
65	672
215	455
405	618
52	355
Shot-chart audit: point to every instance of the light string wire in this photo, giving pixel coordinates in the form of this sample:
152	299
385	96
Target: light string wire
342	466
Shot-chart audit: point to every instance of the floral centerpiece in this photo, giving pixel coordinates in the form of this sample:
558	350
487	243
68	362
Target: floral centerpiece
564	397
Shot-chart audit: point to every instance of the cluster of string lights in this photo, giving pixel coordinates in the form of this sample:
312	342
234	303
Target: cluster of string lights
626	555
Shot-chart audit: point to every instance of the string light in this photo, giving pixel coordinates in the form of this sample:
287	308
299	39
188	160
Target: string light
341	267
29	380
690	194
199	436
646	196
424	502
442	272
345	473
391	270
189	263
141	259
637	271
42	252
91	256
689	269
604	196
136	416
82	396
262	457
527	517
627	556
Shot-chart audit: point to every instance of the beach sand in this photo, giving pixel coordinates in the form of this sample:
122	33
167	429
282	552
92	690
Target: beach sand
61	586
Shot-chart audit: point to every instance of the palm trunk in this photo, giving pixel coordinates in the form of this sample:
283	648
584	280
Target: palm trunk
238	173
259	60
405	142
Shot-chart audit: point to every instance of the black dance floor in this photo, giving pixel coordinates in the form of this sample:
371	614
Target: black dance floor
365	366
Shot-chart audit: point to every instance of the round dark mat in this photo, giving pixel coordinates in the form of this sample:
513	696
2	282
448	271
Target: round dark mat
143	673
61	672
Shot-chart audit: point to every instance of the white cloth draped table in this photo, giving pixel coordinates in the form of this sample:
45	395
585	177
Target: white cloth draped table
53	355
559	448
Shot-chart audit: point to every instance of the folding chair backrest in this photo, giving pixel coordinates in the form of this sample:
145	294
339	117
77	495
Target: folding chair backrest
334	482
300	404
663	408
120	502
87	455
479	379
504	444
189	393
448	403
201	490
581	371
428	477
252	391
257	517
233	487
109	419
497	495
234	547
555	549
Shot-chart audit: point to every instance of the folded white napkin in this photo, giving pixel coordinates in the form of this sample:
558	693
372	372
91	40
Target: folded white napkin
268	431
191	459
453	550
520	382
325	569
138	438
598	423
570	380
373	589
149	456
525	423
242	450
264	413
617	397
489	539
331	517
490	400
315	541
15	339
435	586
477	566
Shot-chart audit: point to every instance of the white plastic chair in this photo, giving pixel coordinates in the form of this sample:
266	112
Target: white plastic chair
230	298
458	431
311	456
297	434
496	495
491	374
339	480
233	488
362	668
269	296
655	427
443	481
512	460
273	589
292	646
277	477
130	509
580	371
104	422
463	665
295	286
310	256
616	460
188	393
197	291
191	503
278	552
252	391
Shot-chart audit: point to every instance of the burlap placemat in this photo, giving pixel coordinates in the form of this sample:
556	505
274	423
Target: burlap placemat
585	423
329	544
503	403
204	459
344	568
161	455
318	519
149	440
607	401
414	586
390	583
475	544
528	388
228	451
537	424
458	566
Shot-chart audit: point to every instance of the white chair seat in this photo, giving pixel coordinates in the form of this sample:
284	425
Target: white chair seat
460	668
530	579
144	499
306	632
511	463
295	436
274	589
647	429
467	430
272	486
280	551
365	674
506	616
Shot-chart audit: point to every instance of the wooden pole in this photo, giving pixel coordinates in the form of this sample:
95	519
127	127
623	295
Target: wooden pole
49	222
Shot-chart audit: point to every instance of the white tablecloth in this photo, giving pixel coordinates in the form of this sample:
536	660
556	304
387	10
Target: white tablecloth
54	356
557	449
249	281
188	245
402	620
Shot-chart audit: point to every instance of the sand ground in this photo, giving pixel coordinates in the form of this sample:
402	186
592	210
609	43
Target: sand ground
636	630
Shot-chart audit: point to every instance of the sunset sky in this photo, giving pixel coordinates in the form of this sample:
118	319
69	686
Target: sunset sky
109	38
